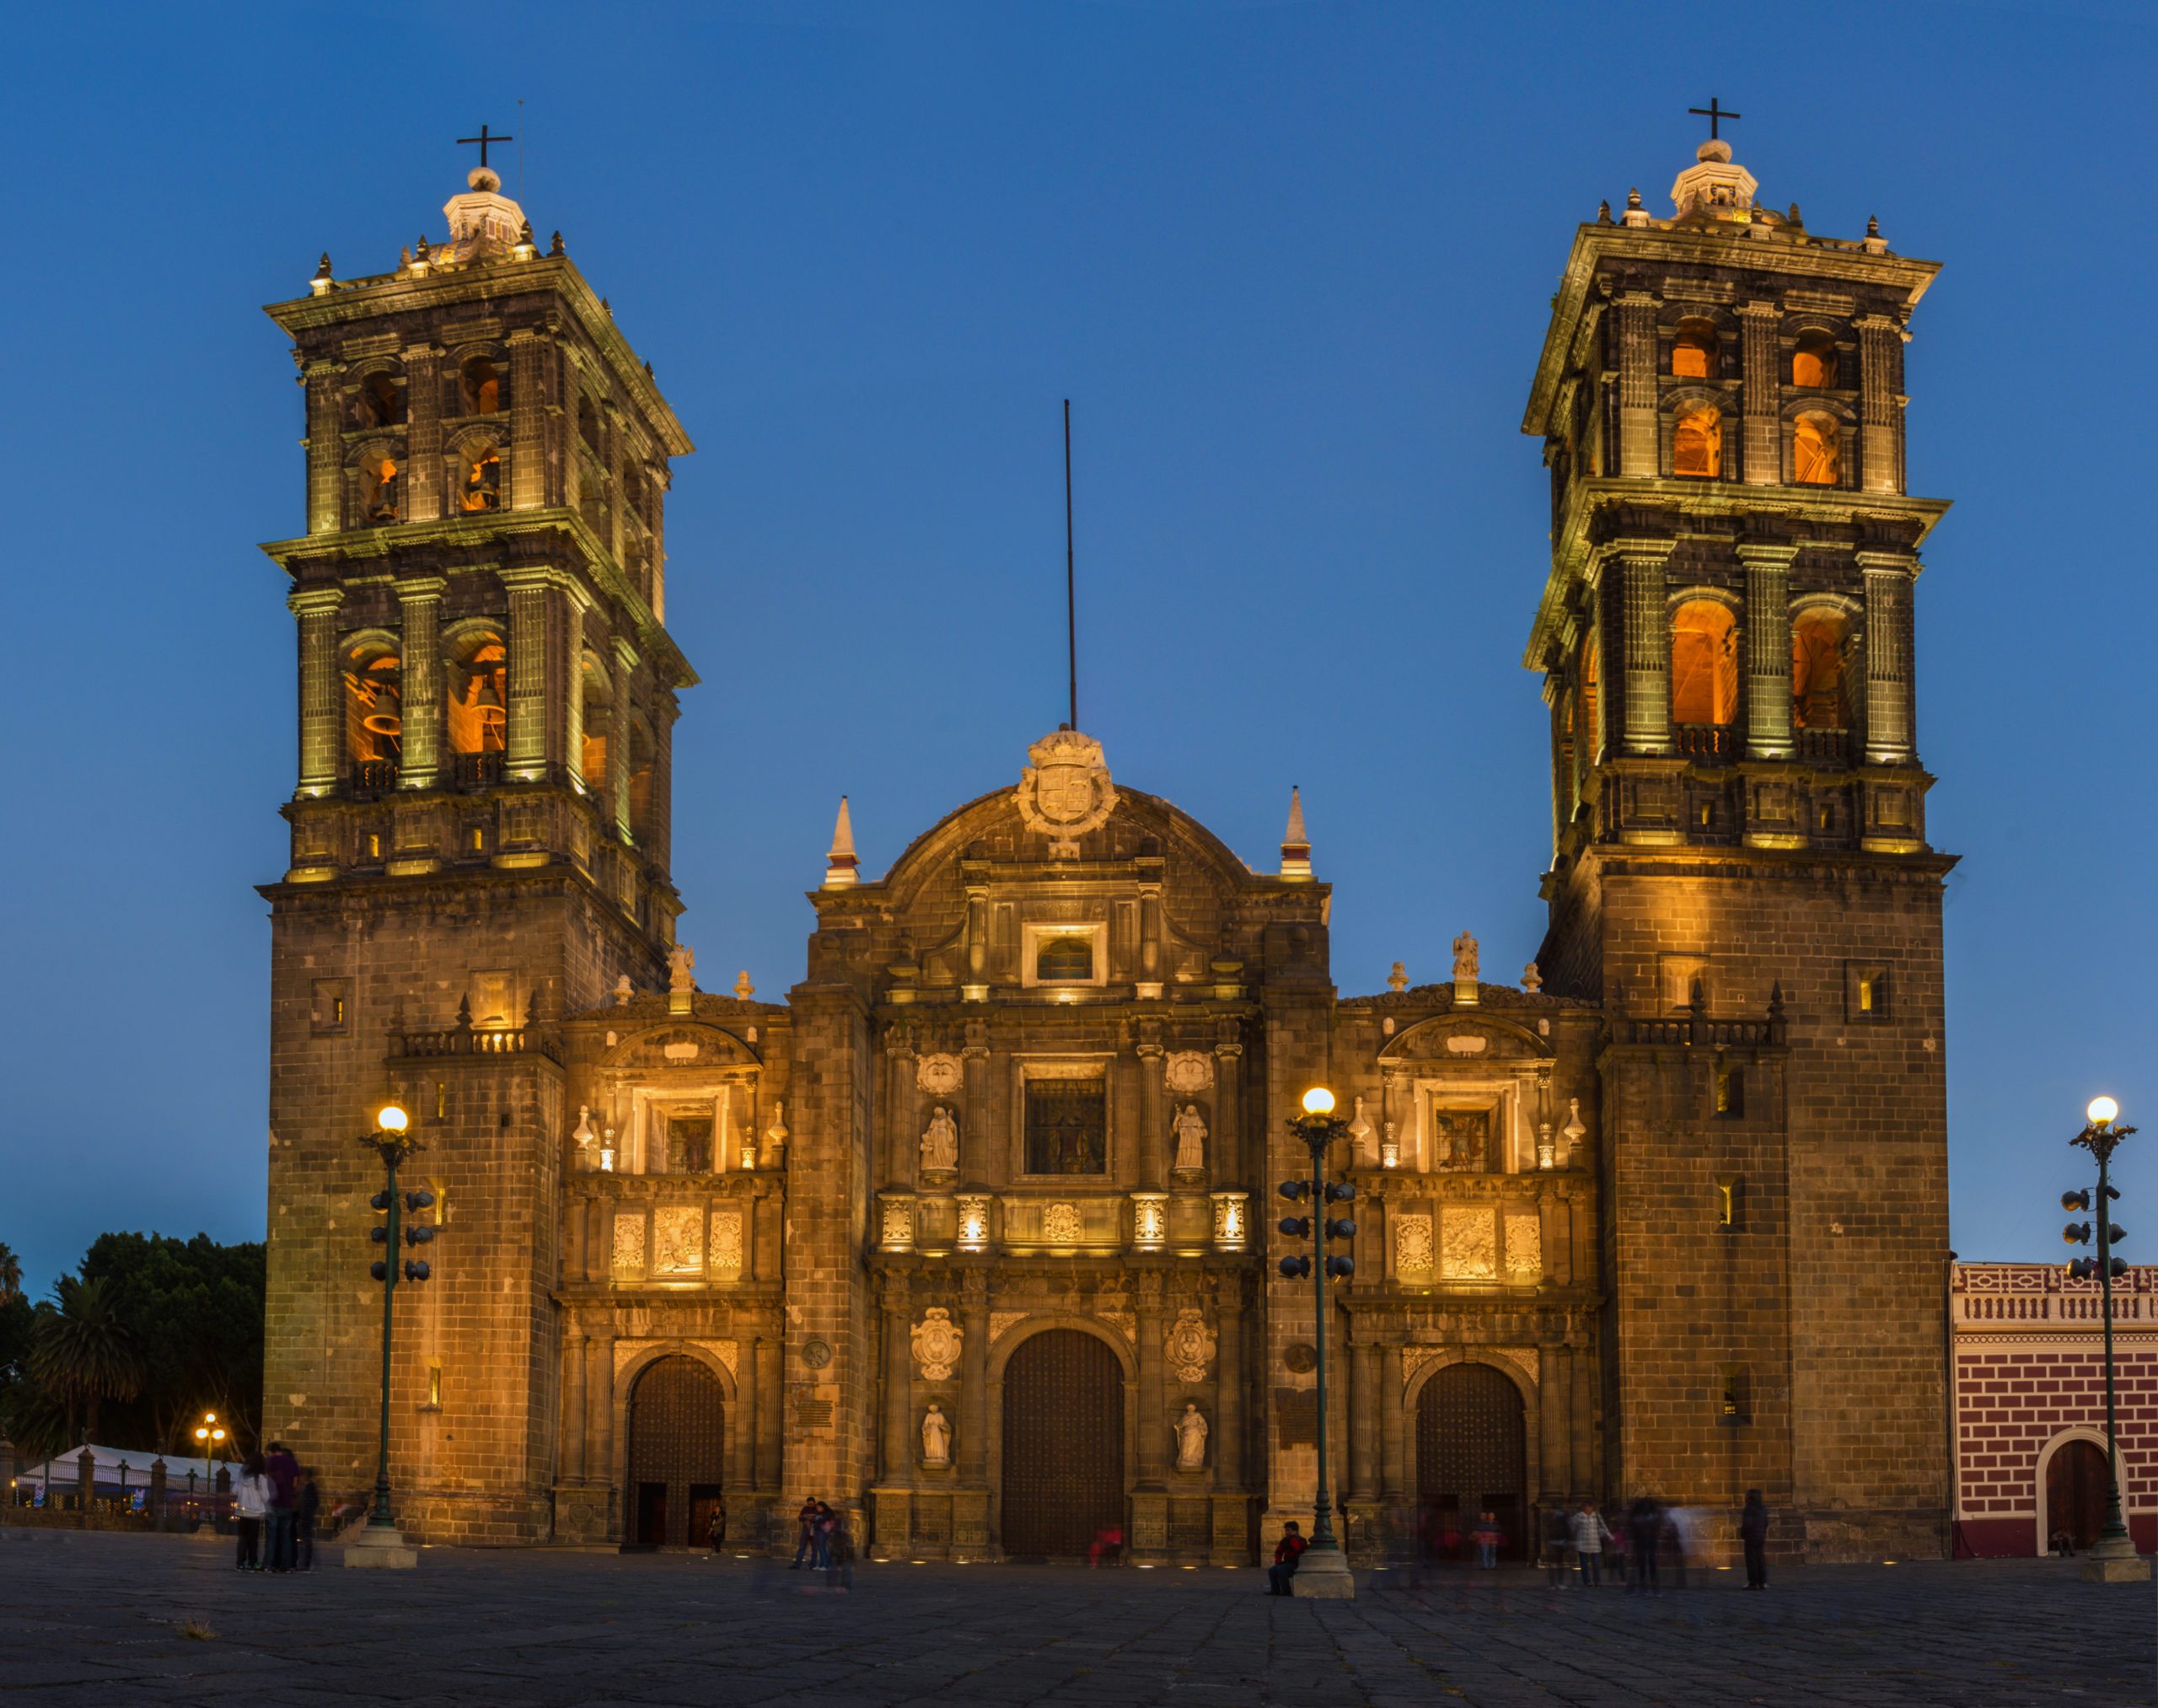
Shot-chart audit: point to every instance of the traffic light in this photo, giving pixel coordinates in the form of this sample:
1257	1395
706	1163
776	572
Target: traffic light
1296	1227
2076	1200
2118	1268
2115	1233
2083	1269
2076	1233
415	1270
1329	1227
379	1271
1296	1268
1295	1191
416	1202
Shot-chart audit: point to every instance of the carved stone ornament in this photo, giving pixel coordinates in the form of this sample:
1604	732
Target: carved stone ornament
816	1354
937	1074
1464	959
935	1340
1191	1439
1066	792
1061	1224
940	1142
1190	1344
1188	1070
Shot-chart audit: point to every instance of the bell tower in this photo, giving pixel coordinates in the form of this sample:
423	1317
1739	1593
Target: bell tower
1741	875
479	826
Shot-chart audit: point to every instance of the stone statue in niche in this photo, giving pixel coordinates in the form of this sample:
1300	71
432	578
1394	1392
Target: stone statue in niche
1191	1140
936	1437
940	1142
1464	959
1191	1439
682	966
1359	1136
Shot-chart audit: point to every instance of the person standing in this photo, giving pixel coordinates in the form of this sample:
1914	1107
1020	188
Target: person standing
805	1522
1557	1537
1753	1532
1643	1531
716	1530
1487	1539
251	1492
283	1471
1287	1553
307	1502
820	1551
838	1552
1590	1533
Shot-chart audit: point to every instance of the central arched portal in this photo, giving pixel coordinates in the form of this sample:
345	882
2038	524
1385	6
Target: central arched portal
678	1453
1063	1446
1471	1458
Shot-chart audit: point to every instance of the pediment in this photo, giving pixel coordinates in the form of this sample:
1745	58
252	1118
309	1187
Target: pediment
1465	1037
682	1044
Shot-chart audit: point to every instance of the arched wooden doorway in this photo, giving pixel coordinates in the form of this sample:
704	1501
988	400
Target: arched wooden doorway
2076	1493
1471	1458
1063	1483
678	1453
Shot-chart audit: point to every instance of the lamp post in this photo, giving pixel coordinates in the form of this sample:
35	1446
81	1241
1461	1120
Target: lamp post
379	1543
1322	1569
2114	1558
210	1434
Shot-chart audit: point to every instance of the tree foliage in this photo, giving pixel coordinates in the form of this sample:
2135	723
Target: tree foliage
84	1352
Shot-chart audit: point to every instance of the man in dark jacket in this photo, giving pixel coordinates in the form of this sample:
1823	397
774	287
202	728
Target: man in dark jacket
307	1502
283	1471
1285	1551
1753	1532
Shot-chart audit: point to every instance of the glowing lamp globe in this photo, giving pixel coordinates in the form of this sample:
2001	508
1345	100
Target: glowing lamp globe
2103	1111
392	1119
1318	1101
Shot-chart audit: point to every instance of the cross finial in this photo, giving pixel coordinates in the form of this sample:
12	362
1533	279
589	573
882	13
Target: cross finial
483	139
1713	113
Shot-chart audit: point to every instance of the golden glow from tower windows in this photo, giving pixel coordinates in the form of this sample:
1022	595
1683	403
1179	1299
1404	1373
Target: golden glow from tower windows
1813	364
1697	445
1703	664
1816	671
1817	452
1693	351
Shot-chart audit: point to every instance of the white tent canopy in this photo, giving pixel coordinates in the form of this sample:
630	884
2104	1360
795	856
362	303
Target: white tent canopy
106	1462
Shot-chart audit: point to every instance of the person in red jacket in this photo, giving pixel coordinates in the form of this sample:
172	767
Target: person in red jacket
1284	1568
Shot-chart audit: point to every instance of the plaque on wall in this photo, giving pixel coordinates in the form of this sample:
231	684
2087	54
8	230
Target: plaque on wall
816	1355
1296	1416
1301	1356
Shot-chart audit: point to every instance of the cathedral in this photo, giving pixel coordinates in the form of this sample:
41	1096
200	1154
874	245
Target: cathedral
972	1232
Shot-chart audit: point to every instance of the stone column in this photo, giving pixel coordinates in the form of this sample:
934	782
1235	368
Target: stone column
769	1350
975	1163
973	1377
1150	939
527	482
326	448
1762	354
423	707
599	1409
1230	1166
1149	1051
1879	354
744	1443
1229	1469
1393	1472
1768	650
1887	658
898	1370
1638	441
1551	1412
526	758
575	1359
903	1153
423	471
1648	646
322	720
574	605
1363	1420
1152	1420
618	756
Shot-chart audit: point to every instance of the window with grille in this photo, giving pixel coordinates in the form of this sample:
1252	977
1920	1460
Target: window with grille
1064	960
1067	1126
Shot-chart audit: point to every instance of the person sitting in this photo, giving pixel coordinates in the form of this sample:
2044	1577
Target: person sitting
1286	1553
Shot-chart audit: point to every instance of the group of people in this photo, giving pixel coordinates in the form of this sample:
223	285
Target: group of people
1646	1533
825	1542
275	1494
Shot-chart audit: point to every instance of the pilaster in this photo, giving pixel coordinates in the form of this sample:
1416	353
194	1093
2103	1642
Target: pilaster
423	474
1762	454
322	723
1639	441
1768	650
418	599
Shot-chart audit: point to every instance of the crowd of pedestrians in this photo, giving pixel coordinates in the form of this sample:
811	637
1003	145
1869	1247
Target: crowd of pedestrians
825	1542
274	1505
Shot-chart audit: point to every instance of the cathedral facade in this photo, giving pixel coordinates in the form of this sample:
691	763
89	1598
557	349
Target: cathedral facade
973	1233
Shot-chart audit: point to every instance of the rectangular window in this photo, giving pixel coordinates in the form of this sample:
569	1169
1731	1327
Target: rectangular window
1067	1126
327	1010
1731	1091
1866	993
689	1145
1726	1200
434	1384
1736	1405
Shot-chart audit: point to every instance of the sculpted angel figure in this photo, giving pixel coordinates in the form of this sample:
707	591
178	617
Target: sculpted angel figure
682	962
1464	957
1191	1138
940	1144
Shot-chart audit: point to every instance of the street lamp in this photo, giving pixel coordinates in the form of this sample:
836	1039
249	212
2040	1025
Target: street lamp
2114	1558
1323	1569
393	1143
212	1435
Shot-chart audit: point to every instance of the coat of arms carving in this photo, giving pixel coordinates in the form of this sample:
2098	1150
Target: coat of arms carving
1189	1071
1066	792
1190	1344
937	1074
935	1340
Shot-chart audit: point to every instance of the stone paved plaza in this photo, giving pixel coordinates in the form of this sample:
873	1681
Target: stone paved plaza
95	1620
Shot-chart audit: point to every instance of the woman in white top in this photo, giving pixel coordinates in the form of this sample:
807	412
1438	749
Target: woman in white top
251	1492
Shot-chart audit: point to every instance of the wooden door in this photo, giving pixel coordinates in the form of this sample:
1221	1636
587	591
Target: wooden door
1063	1485
1471	1458
678	1439
2076	1493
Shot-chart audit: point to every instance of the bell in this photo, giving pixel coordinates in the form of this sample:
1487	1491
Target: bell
383	723
488	700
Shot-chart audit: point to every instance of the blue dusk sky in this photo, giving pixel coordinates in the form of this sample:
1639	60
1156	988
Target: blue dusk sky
1292	264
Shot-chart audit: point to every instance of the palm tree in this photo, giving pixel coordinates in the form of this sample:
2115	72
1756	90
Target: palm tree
83	1352
10	1273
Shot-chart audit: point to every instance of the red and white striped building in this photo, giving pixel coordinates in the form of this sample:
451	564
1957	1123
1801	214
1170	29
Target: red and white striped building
2031	1406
